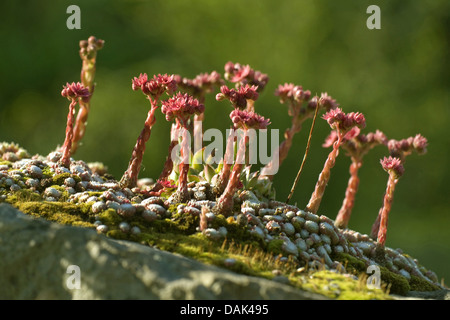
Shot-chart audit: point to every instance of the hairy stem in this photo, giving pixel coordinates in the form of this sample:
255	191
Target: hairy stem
130	177
66	148
345	212
384	212
168	165
324	177
227	164
225	202
184	166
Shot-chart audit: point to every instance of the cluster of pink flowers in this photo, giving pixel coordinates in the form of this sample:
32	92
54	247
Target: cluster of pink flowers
248	120
393	166
201	84
181	106
74	91
404	147
156	86
238	97
244	74
343	122
292	93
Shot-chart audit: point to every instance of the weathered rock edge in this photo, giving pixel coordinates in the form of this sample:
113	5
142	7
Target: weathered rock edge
35	255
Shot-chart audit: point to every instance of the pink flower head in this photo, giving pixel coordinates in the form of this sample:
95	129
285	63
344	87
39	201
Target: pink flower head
73	91
312	104
334	117
139	82
235	72
285	91
344	122
238	98
241	72
248	92
205	81
248	120
403	145
327	102
393	165
181	106
155	86
378	137
291	92
420	144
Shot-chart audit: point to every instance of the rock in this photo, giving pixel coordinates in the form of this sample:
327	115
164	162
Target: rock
36	256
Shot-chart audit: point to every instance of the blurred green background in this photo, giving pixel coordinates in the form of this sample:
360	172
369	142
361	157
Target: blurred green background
397	76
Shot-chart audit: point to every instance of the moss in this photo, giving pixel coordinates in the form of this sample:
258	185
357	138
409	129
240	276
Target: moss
397	283
419	284
351	263
23	195
110	217
274	246
61	212
118	234
47	172
58	179
186	223
5	162
340	287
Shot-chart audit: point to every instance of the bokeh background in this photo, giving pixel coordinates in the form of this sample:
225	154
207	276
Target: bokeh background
397	76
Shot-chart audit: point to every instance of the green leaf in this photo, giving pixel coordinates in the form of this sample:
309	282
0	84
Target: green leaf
197	160
208	172
192	177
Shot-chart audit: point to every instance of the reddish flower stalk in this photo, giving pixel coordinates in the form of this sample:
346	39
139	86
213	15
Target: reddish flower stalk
181	107
75	92
88	54
356	145
399	149
227	164
243	120
295	96
395	169
168	165
153	89
342	123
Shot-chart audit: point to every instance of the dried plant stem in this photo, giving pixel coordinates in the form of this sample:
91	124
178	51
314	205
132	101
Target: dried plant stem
304	156
345	212
87	79
130	177
324	177
67	146
384	211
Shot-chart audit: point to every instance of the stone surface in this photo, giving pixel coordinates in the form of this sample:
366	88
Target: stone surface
35	255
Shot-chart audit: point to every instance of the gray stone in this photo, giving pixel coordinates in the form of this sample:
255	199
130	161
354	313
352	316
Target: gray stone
36	254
